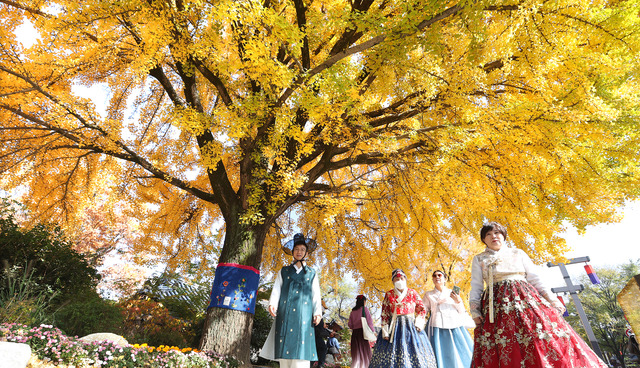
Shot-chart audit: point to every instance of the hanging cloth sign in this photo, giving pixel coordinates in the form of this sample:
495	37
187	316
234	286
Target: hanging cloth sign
566	311
592	275
235	287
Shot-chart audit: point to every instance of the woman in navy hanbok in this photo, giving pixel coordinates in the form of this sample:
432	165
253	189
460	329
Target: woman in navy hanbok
402	343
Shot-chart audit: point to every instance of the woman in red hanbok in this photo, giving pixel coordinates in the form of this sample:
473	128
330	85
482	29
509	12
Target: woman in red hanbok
519	321
402	343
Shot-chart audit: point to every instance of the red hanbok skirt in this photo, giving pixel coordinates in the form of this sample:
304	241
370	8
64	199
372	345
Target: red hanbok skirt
527	332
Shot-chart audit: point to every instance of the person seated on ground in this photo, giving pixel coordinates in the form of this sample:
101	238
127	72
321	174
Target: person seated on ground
333	347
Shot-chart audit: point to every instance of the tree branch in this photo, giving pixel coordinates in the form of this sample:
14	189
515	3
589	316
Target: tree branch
301	18
393	106
349	36
127	155
594	26
302	78
216	81
223	192
26	8
159	75
502	7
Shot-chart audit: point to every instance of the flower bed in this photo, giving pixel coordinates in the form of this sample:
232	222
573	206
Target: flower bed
50	344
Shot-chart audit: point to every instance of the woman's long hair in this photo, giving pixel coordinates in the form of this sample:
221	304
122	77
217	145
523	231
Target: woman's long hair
359	303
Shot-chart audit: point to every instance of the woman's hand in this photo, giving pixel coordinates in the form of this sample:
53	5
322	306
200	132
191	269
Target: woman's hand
478	321
456	298
272	310
316	319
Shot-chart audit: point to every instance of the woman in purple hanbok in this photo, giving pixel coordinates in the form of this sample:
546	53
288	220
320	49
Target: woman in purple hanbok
360	348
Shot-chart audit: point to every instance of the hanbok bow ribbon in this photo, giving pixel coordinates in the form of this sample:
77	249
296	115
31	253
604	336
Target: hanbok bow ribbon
491	267
394	318
443	297
398	304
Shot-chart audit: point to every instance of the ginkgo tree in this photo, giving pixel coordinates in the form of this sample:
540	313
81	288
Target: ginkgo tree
381	128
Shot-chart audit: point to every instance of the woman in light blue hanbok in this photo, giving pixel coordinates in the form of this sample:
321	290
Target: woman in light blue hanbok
450	340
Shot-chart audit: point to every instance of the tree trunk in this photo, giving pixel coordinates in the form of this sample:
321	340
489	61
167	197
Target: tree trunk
226	331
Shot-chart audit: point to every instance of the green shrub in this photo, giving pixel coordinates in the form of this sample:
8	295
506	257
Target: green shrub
42	274
147	321
89	314
56	265
22	299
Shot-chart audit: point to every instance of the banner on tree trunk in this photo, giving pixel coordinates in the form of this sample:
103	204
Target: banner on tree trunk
235	287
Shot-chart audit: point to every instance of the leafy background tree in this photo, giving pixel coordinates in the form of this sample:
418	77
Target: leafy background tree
339	296
44	248
378	127
45	276
602	308
45	279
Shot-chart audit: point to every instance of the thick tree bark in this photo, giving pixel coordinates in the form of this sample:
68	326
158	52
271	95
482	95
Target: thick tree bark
227	331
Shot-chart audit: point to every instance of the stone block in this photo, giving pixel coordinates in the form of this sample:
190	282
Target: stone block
14	355
105	336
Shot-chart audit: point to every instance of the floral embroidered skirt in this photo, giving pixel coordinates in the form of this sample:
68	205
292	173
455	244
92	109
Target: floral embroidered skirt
408	348
527	332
